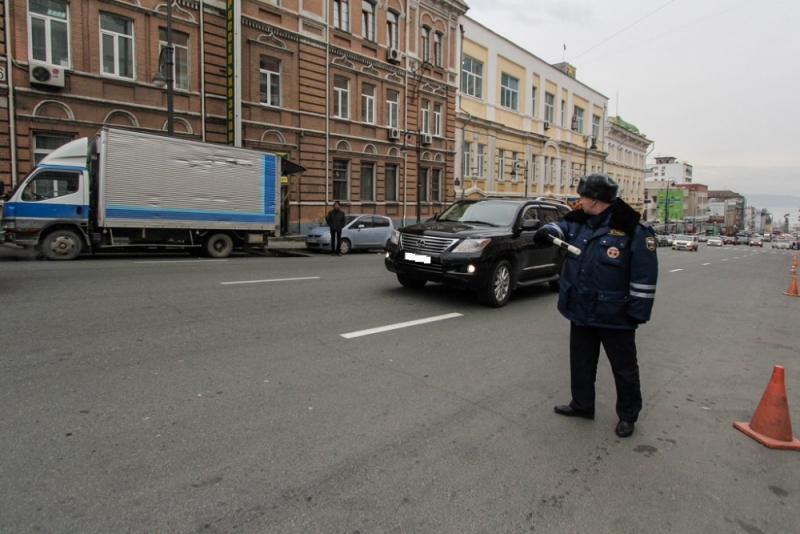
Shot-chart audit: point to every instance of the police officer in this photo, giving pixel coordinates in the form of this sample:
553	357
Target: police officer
605	292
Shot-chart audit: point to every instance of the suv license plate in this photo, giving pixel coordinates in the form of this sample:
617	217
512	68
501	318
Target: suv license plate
419	258
311	240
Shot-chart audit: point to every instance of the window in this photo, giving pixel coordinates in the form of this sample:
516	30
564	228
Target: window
341	176
577	119
501	165
533	101
368	20
436	185
437	49
43	144
466	155
49	31
270	78
392	108
51	184
426	43
368	103
596	127
563	113
367	182
472	77
549	107
437	119
509	91
116	45
180	56
425	116
341	15
480	161
423	184
392	30
341	93
390	183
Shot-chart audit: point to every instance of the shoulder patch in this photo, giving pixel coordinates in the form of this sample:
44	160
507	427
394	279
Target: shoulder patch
616	232
650	241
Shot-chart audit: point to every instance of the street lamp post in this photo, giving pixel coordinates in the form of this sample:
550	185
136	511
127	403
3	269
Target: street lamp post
166	62
418	149
517	167
666	206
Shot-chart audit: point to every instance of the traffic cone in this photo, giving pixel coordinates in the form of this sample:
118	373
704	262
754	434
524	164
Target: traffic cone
770	425
792	290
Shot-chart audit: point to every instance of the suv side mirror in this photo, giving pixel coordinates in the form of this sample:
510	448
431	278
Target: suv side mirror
531	224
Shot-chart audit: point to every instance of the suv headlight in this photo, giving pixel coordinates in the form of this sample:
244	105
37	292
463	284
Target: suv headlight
395	238
469	246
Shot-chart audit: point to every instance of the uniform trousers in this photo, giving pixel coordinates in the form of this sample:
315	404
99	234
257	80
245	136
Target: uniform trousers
584	354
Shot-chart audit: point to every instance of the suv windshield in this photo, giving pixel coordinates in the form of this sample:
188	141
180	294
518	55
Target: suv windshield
487	212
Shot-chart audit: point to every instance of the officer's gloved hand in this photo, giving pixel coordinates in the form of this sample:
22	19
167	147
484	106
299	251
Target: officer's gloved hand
634	320
541	237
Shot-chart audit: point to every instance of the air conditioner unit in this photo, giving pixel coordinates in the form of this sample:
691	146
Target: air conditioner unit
546	125
427	139
393	134
43	74
393	55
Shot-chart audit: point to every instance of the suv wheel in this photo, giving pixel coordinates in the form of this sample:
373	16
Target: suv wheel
413	283
498	290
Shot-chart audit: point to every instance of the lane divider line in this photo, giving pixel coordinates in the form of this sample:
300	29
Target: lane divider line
272	280
675	270
398	326
181	261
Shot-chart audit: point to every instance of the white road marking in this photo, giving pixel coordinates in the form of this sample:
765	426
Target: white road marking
272	280
181	261
397	326
724	259
706	264
675	270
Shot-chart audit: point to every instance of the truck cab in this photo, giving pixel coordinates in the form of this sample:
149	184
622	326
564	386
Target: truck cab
50	207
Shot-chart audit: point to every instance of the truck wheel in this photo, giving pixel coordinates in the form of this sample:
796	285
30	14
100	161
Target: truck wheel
219	246
61	245
413	283
498	290
344	248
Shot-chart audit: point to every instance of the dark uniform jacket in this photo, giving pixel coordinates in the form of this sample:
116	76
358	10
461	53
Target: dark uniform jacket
336	219
612	283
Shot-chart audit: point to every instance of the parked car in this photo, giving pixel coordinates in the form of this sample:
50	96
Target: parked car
685	242
714	241
362	231
728	240
756	241
782	242
484	245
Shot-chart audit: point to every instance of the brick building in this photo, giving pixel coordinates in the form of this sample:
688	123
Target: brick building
339	86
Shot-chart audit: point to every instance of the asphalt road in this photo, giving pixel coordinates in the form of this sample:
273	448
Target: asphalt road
160	393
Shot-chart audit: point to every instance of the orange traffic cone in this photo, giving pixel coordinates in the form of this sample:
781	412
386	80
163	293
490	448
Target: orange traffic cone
770	425
792	290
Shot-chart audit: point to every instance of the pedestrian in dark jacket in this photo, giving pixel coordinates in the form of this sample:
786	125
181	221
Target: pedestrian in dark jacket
336	220
606	292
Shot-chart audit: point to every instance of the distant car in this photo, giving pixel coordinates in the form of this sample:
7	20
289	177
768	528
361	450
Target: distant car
742	240
685	242
782	242
756	241
728	240
702	238
664	240
361	231
714	241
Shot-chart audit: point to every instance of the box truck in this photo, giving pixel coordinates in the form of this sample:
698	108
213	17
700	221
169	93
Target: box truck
123	188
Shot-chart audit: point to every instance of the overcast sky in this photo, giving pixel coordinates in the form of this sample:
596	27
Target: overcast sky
714	83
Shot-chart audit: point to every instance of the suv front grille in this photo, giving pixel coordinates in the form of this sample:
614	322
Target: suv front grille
432	246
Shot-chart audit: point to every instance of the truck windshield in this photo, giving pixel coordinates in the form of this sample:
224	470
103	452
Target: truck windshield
487	212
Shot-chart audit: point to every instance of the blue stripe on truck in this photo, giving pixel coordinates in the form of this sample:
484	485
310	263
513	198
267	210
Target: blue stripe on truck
269	175
173	214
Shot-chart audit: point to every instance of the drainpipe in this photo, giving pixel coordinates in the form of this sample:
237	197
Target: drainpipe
12	123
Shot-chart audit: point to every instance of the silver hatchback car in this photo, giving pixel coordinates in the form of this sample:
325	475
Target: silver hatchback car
361	231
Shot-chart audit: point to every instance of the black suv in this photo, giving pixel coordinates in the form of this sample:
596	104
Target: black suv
485	245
